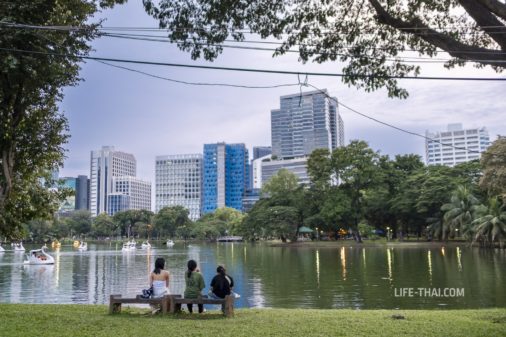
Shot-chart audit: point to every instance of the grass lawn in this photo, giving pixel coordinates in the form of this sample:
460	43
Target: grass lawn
94	320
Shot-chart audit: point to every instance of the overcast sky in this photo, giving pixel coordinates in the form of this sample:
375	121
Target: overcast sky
149	117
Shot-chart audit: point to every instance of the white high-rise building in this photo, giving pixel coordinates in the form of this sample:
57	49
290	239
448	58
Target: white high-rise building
256	168
455	145
178	182
137	190
106	164
297	166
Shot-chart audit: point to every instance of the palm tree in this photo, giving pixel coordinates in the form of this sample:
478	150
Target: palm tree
459	212
490	225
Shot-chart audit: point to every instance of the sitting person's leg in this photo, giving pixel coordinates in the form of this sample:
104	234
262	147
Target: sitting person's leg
190	308
201	308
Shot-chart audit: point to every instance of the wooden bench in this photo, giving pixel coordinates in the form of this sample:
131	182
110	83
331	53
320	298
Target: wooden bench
115	302
176	301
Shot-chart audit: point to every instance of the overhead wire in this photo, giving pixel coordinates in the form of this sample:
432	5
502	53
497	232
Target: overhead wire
256	70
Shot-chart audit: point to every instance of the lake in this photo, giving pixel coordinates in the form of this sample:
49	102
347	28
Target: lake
389	277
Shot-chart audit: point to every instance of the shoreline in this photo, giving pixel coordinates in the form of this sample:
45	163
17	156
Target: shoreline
371	244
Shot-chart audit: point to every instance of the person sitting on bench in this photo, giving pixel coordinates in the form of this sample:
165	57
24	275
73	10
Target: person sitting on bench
159	281
221	285
194	284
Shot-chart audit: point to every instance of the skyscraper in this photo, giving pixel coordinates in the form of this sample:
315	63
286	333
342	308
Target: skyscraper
304	123
105	164
82	192
261	151
461	145
139	191
226	176
178	182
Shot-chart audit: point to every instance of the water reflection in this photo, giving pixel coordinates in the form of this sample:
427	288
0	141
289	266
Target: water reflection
267	276
343	262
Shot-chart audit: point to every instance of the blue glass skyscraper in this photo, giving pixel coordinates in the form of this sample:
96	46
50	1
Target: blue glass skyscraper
226	176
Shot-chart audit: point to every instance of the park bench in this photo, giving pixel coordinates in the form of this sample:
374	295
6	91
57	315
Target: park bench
176	301
115	302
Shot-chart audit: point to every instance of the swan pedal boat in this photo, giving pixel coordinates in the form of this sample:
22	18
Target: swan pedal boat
39	256
170	243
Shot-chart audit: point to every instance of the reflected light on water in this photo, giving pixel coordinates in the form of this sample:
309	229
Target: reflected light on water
343	262
245	259
443	251
363	257
389	262
318	268
57	266
459	258
429	260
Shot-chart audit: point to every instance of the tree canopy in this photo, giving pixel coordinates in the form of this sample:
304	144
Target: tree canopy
369	36
32	128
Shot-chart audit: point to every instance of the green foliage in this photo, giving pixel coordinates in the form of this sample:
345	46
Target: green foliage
32	129
79	223
490	223
131	222
459	213
169	219
493	161
282	183
103	226
367	37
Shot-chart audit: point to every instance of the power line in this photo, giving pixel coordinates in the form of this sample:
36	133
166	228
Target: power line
391	125
200	83
252	70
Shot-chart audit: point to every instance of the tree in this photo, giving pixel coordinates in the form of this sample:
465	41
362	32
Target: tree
493	161
170	218
131	221
459	212
281	184
80	222
103	225
356	167
368	36
490	224
32	129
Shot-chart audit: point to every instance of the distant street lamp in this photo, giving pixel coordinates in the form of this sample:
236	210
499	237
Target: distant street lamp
317	234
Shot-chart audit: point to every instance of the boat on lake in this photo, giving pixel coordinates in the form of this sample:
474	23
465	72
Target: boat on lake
2	249
129	246
229	239
18	247
83	246
170	243
146	245
38	256
55	244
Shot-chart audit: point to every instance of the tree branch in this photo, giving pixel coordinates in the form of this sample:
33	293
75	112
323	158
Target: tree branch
496	7
486	20
455	48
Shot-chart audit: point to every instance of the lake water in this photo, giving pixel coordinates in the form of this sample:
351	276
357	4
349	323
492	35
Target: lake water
265	276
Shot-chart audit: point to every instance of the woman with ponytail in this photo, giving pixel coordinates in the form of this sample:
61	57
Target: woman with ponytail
194	284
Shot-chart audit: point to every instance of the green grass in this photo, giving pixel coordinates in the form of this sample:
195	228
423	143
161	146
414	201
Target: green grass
93	320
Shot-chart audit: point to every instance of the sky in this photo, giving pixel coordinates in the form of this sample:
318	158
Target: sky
149	117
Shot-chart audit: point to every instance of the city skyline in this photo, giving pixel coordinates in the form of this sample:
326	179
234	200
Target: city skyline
150	117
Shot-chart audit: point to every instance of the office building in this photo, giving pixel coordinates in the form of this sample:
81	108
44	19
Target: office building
250	197
82	192
117	202
106	164
69	204
455	145
298	166
256	171
304	123
137	190
178	182
225	176
261	151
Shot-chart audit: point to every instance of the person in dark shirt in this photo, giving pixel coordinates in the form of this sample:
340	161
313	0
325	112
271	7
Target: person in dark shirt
221	285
